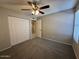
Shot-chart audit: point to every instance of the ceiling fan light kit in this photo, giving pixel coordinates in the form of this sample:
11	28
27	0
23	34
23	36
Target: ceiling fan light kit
35	9
35	12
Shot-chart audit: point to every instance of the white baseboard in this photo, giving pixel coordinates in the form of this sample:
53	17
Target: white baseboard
5	48
12	45
58	41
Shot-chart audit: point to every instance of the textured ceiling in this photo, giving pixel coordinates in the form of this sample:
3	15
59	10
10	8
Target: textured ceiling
55	5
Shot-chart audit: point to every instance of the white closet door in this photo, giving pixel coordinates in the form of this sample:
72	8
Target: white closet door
19	30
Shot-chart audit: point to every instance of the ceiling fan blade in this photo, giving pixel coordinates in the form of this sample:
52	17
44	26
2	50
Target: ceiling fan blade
41	12
25	9
30	3
44	7
35	2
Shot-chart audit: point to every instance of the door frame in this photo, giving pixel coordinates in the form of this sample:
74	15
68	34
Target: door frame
31	28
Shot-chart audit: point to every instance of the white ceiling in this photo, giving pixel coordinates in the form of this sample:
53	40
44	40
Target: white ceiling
55	5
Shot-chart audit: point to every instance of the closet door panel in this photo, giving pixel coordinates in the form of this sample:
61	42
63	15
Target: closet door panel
19	30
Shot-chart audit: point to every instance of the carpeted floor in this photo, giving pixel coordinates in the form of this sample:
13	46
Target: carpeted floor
39	49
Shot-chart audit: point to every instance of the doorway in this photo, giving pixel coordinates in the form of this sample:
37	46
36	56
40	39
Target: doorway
36	28
33	28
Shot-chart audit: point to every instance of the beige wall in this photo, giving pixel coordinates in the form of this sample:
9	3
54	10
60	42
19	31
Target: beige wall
58	27
4	28
4	31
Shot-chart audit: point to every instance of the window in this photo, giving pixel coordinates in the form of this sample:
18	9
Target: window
76	27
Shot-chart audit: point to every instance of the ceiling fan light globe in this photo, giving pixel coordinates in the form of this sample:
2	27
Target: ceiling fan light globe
37	12
33	12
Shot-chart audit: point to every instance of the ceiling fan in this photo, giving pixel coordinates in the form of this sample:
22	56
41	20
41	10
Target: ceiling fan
35	9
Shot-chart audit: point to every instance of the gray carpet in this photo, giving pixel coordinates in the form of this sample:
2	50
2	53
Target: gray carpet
39	49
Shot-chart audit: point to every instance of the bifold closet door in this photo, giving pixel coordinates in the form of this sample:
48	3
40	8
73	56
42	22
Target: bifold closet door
19	30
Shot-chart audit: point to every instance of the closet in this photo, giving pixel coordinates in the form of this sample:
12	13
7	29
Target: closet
19	30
